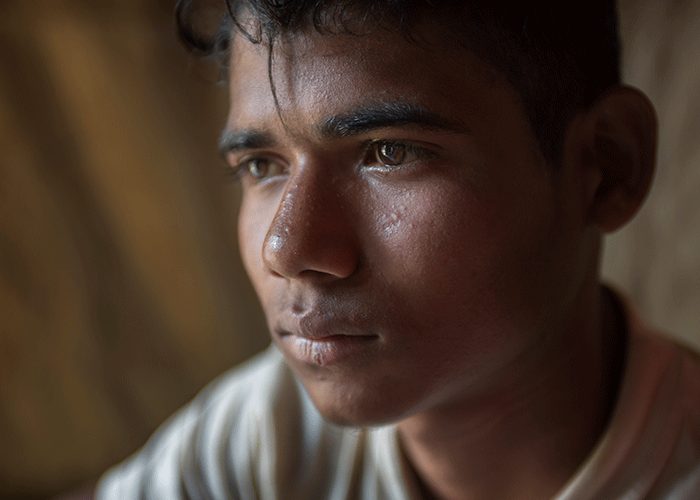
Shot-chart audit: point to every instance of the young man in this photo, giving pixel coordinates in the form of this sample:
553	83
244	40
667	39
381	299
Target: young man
425	188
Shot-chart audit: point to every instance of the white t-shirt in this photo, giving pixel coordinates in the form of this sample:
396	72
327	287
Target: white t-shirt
254	434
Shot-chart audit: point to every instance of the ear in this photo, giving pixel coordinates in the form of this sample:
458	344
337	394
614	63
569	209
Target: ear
614	144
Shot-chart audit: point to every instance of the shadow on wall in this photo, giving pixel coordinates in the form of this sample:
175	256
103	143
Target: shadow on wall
121	291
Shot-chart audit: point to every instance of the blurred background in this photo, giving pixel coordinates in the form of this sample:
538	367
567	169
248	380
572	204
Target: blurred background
121	291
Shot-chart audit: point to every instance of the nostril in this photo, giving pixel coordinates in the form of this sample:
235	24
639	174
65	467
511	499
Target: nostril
310	254
310	236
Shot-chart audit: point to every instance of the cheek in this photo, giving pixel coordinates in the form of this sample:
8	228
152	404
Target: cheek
459	257
433	230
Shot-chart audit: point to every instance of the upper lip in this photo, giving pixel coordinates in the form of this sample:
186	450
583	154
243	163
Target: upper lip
318	324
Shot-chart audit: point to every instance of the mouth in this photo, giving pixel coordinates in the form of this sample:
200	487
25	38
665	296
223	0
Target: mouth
326	349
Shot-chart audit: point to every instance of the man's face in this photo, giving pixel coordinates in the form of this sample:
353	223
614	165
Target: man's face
407	241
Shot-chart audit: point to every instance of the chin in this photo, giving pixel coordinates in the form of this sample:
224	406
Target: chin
354	417
351	405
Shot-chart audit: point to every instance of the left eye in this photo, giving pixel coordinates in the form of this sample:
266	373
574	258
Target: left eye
382	154
391	153
260	169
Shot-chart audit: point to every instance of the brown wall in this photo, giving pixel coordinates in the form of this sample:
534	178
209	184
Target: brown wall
121	291
656	259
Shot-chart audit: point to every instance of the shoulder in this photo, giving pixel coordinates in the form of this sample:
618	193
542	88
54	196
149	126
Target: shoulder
675	366
660	409
690	380
651	448
679	401
212	447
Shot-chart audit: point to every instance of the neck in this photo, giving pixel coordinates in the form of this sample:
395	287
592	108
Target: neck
526	436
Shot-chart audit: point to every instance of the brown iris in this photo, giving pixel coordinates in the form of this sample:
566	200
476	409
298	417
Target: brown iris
390	153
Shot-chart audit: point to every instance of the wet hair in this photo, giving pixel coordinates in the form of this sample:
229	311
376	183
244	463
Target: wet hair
559	56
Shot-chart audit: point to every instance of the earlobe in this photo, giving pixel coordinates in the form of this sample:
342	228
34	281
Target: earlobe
617	143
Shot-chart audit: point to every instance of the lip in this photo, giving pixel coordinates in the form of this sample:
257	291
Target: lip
327	350
323	334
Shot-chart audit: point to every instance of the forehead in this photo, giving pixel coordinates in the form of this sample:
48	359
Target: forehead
317	75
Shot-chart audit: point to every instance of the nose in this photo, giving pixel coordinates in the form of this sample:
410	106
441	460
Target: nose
311	235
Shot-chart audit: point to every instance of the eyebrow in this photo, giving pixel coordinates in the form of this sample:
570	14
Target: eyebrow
384	115
358	121
232	141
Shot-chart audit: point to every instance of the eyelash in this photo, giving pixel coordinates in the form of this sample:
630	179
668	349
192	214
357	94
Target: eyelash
370	155
243	167
409	149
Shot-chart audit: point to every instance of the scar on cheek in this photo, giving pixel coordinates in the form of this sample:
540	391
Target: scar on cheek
391	221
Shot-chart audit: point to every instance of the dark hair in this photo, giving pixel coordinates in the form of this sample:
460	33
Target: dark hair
560	56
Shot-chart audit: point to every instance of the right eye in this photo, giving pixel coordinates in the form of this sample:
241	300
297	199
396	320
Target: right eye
259	169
